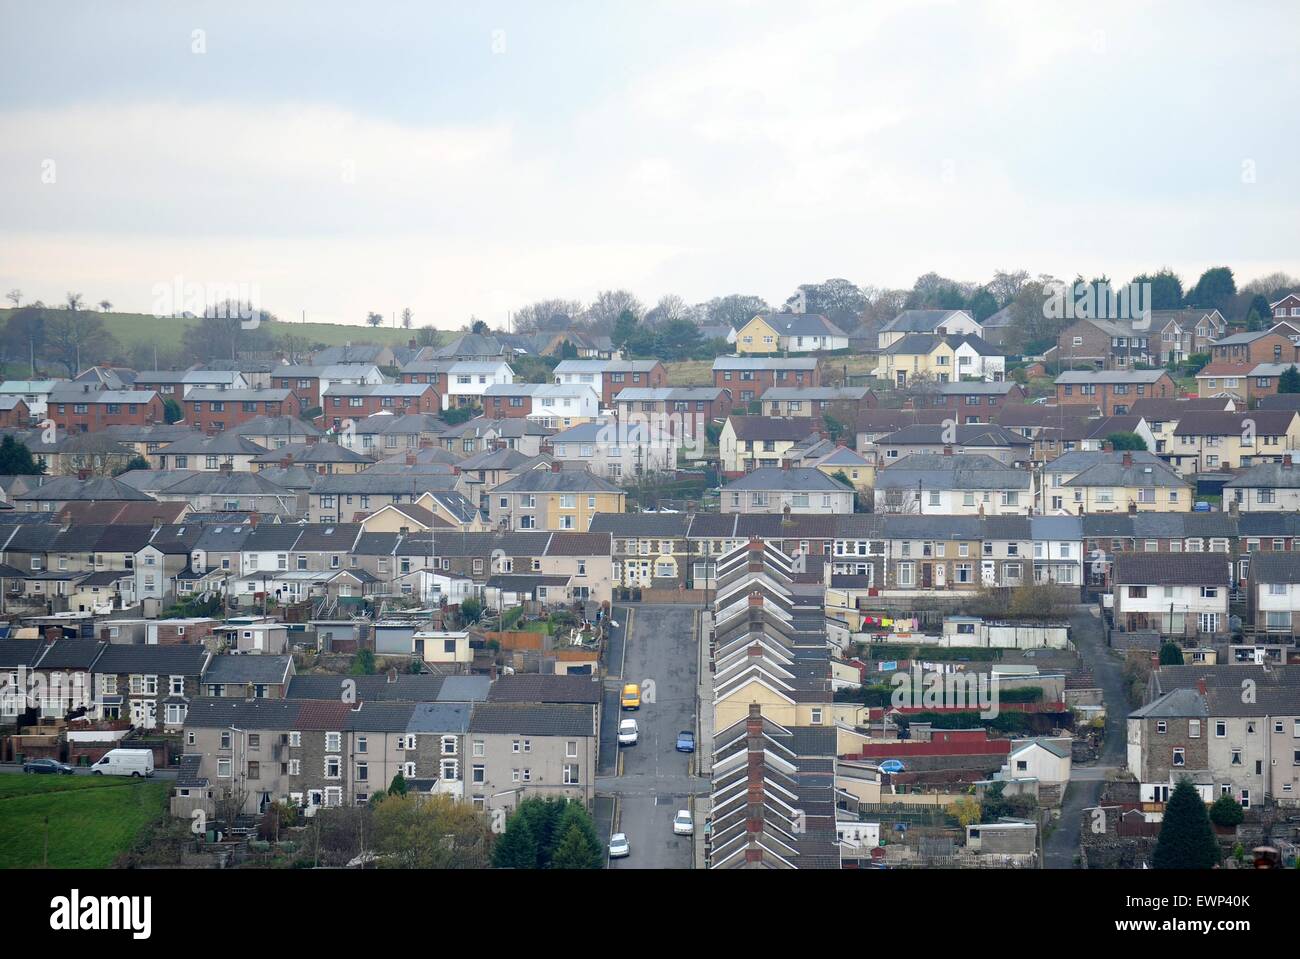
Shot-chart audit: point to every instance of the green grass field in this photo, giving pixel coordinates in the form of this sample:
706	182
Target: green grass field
132	329
91	819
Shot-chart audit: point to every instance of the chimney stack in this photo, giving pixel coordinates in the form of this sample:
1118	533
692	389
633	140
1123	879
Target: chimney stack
410	459
83	474
1200	686
392	675
947	451
557	466
1286	461
1127	459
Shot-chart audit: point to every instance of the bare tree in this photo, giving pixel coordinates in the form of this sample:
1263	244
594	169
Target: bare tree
74	301
897	500
407	315
15	296
426	336
105	305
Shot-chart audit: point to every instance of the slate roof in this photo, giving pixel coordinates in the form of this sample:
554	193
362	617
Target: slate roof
168	660
642	525
1275	567
533	719
801	479
550	688
66	488
1267	476
248	669
548	481
448	718
750	428
405	687
955	471
1172	569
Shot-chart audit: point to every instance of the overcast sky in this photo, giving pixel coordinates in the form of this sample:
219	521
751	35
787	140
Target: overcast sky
345	157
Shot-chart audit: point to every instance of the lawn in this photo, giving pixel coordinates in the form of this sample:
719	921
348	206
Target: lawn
690	373
132	329
91	819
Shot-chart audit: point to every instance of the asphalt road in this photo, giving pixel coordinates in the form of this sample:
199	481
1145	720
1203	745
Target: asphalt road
1086	782
653	780
83	771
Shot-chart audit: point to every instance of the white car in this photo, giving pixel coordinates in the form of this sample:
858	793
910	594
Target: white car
683	824
627	732
618	847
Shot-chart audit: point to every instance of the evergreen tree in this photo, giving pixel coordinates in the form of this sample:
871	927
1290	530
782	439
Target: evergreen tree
1226	811
517	847
16	459
398	786
1289	381
1170	655
576	851
1186	838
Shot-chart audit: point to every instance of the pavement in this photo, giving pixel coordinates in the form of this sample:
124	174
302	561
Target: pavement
1086	782
84	771
640	788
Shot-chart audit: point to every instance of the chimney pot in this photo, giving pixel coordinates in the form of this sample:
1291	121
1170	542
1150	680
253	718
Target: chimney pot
557	466
1200	685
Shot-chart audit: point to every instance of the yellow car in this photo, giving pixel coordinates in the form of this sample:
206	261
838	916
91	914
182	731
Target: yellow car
631	696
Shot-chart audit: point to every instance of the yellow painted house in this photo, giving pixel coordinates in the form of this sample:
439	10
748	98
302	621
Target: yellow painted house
758	336
1099	482
919	356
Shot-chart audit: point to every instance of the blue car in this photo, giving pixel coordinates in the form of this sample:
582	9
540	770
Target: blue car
686	741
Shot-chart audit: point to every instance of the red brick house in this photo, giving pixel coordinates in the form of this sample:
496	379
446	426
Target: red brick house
213	411
82	408
673	411
355	402
749	377
610	377
1287	308
1265	346
14	412
1113	392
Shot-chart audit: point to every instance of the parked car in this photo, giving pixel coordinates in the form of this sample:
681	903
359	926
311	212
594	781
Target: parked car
48	766
891	766
631	698
686	741
627	732
618	846
124	762
683	824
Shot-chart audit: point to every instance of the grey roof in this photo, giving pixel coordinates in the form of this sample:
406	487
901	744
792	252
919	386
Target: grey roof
921	321
404	483
533	719
207	712
1110	376
381	717
759	363
1275	567
964	434
955	471
1140	474
802	479
637	525
814	393
548	688
69	488
187	773
276	426
1267	476
449	718
1172	569
549	481
248	669
226	483
801	324
221	443
464	689
404	687
1175	704
162	660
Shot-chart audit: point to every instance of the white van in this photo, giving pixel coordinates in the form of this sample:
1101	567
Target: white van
124	762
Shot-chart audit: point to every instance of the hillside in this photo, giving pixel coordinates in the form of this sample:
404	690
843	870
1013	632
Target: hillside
134	329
